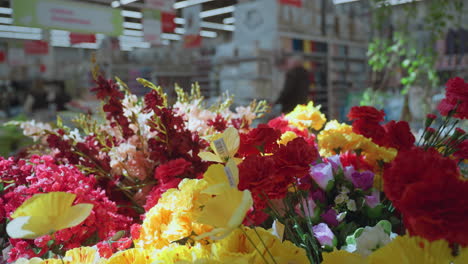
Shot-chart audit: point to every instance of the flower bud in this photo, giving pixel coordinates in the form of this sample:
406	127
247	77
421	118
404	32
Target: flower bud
429	119
429	133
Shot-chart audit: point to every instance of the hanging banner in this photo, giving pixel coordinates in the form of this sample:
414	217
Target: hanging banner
162	5
152	27
68	15
192	38
255	22
296	3
76	38
168	23
36	47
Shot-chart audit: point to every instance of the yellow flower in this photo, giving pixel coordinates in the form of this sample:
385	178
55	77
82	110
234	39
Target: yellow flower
224	145
342	257
225	212
462	258
131	256
220	177
237	245
286	137
46	213
306	116
82	255
172	219
412	250
176	253
29	261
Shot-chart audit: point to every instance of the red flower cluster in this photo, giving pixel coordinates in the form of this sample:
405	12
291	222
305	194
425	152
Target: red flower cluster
393	134
428	190
282	124
456	98
42	175
218	123
269	177
262	139
114	108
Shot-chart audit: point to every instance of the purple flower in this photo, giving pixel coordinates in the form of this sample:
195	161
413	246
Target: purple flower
318	195
374	199
348	171
335	162
308	206
323	234
322	174
363	180
329	217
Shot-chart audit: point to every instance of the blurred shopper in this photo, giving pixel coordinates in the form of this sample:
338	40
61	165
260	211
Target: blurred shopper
296	85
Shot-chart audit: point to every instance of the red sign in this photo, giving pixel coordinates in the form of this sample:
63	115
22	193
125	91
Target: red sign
36	47
192	41
2	56
76	38
168	24
296	3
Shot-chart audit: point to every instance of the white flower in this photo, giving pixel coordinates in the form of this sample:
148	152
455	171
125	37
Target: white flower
371	239
351	204
341	198
245	113
34	129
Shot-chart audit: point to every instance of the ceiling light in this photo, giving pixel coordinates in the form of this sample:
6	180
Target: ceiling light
208	34
217	26
15	35
115	4
20	29
217	11
4	10
183	4
229	20
135	33
170	36
132	25
6	20
133	14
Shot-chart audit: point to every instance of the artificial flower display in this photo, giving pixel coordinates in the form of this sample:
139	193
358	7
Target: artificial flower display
153	182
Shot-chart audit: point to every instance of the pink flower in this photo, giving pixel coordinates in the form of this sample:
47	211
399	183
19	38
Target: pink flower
306	206
373	200
324	235
362	180
329	217
322	174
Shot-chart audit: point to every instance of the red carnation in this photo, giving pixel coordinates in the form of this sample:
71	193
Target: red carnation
370	129
368	113
262	139
282	124
456	96
358	162
218	123
399	135
428	190
295	158
172	169
462	150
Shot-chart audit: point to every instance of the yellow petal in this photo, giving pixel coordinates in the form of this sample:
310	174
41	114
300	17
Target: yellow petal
82	255
75	215
52	203
30	227
232	140
226	211
209	156
215	175
131	256
342	257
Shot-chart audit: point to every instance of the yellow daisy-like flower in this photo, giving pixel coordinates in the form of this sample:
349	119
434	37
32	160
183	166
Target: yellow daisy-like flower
306	116
342	257
29	261
412	250
46	213
82	255
131	256
172	219
176	253
286	137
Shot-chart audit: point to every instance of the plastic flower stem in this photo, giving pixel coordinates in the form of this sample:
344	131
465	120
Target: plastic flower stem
253	244
437	134
264	245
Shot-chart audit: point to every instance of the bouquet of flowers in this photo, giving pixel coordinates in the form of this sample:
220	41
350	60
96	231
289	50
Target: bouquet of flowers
188	183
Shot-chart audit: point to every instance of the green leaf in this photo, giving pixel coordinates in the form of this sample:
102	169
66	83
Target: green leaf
386	225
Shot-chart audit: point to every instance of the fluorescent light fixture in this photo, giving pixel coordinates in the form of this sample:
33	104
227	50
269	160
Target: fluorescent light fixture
20	29
217	26
56	32
171	36
229	20
208	34
339	2
15	35
5	10
115	4
126	2
135	33
6	20
132	25
130	39
127	13
217	11
388	2
183	4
